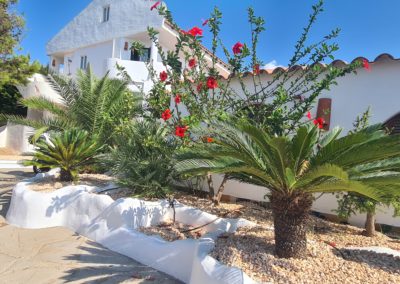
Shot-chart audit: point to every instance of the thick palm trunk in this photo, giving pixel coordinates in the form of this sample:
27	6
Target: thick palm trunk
370	225
66	176
291	214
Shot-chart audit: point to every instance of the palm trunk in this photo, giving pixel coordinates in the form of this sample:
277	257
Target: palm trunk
370	225
66	176
291	214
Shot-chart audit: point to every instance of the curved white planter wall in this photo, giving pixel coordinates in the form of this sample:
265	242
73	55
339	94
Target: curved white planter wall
113	224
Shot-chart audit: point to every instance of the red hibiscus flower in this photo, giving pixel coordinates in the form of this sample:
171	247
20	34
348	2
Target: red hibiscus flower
205	22
155	5
166	114
180	131
196	31
199	87
319	122
256	69
309	115
237	48
210	140
192	63
366	65
178	99
163	76
212	83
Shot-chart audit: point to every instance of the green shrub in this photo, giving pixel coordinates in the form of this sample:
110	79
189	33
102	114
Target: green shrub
70	150
142	159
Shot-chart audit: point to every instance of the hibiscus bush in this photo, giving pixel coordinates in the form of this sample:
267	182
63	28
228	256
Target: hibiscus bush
199	94
190	98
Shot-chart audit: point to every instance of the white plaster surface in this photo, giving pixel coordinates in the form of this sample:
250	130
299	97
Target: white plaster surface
113	224
126	17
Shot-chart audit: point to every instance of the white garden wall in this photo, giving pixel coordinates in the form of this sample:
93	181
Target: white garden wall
113	224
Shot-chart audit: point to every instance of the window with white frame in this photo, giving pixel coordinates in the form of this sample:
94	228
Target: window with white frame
84	62
106	14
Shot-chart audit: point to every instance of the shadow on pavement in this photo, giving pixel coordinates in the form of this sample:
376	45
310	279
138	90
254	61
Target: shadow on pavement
105	266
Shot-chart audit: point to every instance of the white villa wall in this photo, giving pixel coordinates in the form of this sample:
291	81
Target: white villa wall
378	88
96	57
3	136
127	17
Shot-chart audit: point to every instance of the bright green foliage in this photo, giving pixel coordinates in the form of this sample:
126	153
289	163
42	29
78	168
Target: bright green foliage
70	150
300	164
9	96
351	203
142	159
14	69
100	106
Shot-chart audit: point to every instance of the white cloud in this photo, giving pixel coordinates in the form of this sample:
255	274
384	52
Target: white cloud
271	65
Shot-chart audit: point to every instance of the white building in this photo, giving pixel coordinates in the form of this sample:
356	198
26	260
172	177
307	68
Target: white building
102	35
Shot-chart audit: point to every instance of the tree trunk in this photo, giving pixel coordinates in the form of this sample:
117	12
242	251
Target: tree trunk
211	191
370	225
217	198
291	214
66	176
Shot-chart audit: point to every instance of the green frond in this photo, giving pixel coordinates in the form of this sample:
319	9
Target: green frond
325	171
43	104
346	186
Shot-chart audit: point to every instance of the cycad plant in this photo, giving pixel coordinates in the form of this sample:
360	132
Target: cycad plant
70	150
142	159
293	168
99	106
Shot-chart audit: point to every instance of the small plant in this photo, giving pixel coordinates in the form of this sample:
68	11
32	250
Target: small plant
142	159
70	151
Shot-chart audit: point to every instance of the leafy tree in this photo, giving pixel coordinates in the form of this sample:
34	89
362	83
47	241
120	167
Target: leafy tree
100	106
142	159
197	95
352	203
9	97
295	167
70	150
14	69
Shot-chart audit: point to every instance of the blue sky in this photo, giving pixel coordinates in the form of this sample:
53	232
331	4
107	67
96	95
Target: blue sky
369	27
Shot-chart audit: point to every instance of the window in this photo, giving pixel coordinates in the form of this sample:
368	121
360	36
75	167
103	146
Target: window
142	55
106	14
84	62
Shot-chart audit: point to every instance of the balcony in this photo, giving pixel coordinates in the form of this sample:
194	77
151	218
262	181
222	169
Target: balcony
137	70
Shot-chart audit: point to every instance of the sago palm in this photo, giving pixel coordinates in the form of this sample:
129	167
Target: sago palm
70	150
294	168
98	106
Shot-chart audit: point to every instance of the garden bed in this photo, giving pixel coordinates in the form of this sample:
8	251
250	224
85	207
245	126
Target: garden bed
52	183
328	258
171	231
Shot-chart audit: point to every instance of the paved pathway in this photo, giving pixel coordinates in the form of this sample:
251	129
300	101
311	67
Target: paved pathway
58	255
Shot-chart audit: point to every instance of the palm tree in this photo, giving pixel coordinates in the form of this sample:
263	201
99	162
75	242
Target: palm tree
98	106
70	150
294	168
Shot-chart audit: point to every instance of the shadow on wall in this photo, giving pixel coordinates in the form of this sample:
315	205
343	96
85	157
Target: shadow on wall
105	266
